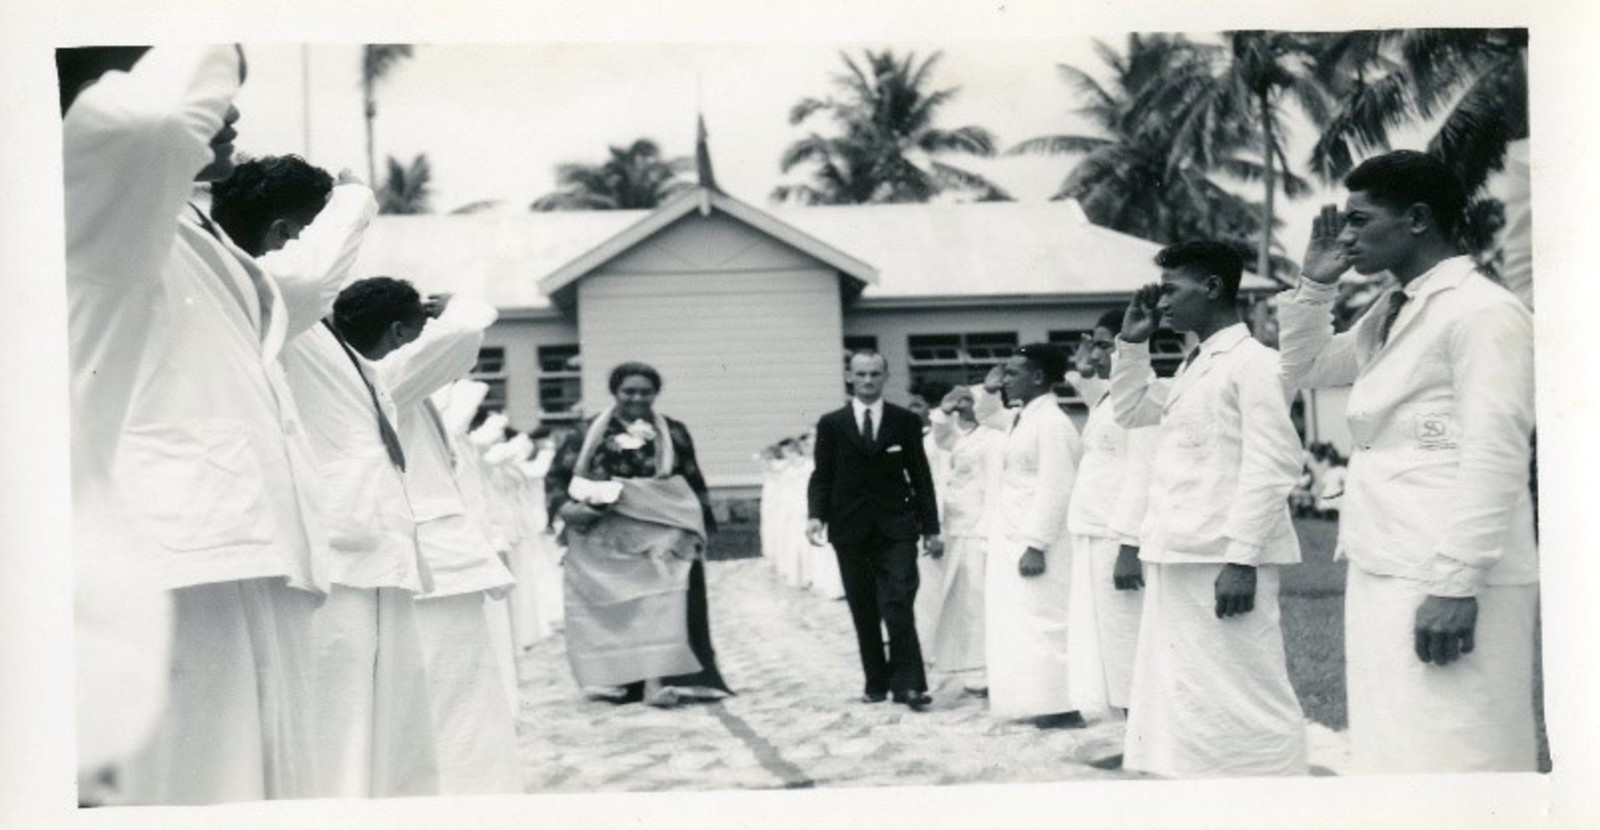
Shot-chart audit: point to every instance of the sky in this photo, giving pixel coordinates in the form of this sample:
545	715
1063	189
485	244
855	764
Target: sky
496	119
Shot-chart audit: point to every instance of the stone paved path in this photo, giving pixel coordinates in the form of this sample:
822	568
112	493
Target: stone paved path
796	722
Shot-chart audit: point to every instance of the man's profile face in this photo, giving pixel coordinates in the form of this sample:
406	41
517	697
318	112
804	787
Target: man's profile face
867	374
1020	380
1185	298
1102	343
1376	236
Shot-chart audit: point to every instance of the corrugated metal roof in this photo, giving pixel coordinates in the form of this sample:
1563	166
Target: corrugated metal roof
989	249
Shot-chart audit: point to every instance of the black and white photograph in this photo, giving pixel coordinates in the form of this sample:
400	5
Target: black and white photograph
895	414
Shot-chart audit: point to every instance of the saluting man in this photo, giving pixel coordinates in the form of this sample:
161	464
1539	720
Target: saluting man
1437	518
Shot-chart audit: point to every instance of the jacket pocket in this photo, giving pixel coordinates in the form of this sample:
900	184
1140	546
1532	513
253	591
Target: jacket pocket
195	485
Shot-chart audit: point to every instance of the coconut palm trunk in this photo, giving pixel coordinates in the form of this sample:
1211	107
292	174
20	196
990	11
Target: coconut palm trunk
371	110
1270	177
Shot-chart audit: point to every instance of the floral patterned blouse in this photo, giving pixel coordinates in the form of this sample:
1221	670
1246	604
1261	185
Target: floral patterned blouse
625	453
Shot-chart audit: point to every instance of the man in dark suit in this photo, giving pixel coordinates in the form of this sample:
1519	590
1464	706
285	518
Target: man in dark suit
872	496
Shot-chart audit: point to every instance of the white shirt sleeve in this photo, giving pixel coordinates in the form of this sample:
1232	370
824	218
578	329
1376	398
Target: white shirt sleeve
990	409
1491	357
311	270
133	142
1313	356
446	349
1137	395
1269	458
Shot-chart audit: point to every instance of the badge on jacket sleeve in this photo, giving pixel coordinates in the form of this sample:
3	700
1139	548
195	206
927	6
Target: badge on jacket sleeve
1435	431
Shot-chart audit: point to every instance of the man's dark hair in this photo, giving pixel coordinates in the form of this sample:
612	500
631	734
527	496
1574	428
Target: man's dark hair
1211	258
1404	178
263	190
79	66
1110	321
630	369
869	353
1046	358
366	308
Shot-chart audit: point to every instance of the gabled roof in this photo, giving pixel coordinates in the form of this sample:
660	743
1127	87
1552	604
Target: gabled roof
902	253
705	200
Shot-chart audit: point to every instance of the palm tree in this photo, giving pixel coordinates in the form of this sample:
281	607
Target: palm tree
886	144
1477	79
1127	180
1237	98
406	188
377	59
635	177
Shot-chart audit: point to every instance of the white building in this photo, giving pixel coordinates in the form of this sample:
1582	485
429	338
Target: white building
746	312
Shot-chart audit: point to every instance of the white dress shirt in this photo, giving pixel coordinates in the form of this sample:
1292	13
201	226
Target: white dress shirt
876	408
458	553
1441	416
1226	452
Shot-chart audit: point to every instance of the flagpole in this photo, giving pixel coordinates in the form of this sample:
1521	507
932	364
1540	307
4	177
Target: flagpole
305	97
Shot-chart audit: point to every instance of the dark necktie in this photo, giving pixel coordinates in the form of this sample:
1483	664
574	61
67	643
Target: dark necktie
1397	300
1187	361
391	441
866	426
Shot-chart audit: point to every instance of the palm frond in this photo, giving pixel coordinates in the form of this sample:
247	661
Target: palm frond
1057	145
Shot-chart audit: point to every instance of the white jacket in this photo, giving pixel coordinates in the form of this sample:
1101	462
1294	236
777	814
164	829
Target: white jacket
176	332
1226	452
1441	416
969	489
1113	486
1041	459
371	528
459	555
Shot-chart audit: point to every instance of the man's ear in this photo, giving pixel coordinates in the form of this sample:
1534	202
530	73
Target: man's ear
1419	217
1213	287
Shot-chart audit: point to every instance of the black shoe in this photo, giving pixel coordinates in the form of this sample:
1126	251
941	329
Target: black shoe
874	697
1060	720
917	701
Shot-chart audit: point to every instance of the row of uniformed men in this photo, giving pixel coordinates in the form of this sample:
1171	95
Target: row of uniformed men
262	465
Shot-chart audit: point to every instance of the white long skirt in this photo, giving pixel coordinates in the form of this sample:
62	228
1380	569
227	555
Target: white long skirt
1025	637
498	614
1474	715
476	735
238	721
951	595
1211	697
374	721
1105	626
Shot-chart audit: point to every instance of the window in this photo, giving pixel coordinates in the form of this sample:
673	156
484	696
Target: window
854	343
560	383
1166	352
940	361
491	369
1067	341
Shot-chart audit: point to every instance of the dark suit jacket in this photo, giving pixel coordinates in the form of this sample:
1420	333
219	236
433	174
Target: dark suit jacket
857	488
